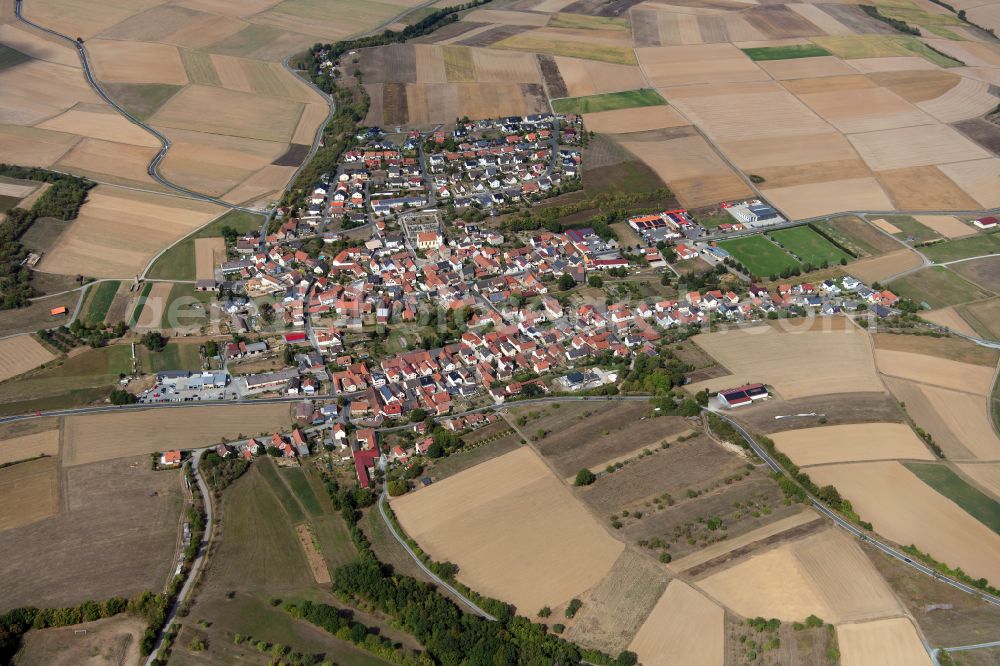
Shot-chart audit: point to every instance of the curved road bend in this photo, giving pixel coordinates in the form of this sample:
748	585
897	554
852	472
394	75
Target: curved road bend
196	564
153	168
857	532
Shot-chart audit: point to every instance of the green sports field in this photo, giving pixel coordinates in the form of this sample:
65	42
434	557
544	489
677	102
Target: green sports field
609	102
809	246
760	255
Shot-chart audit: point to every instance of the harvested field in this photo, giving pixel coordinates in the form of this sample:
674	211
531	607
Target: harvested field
20	354
876	269
118	231
840	358
154	306
966	420
984	316
100	124
550	41
916	85
891	641
865	110
694	463
950	319
491	529
983	132
893	64
968	99
261	188
980	178
239	114
946	225
214	163
29	492
96	437
914	146
108	160
984	272
887	226
209	253
37	90
118	532
908	511
924	188
798	151
752	115
824	573
985	475
625	121
847	443
935	371
114	639
45	442
614	611
502	17
685	628
136	62
802	68
951	349
703	63
779	22
586	77
839	409
695	173
766	534
828	84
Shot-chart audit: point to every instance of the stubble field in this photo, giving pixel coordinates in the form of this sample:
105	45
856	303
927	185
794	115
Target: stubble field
889	641
20	354
685	627
526	540
846	443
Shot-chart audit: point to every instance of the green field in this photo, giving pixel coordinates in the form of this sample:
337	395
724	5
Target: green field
584	22
270	474
759	255
70	382
178	263
296	479
979	505
857	235
134	319
810	247
175	356
789	52
937	286
192	315
609	101
850	47
141	99
911	229
971	246
100	301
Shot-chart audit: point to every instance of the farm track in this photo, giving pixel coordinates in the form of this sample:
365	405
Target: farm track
153	169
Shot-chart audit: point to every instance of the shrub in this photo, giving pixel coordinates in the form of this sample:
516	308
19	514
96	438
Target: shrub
584	477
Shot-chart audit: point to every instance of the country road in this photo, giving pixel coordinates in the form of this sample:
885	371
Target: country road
153	168
196	564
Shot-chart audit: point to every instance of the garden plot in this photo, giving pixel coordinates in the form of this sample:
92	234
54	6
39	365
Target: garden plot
118	231
839	359
854	442
890	642
525	539
824	574
706	63
684	629
908	511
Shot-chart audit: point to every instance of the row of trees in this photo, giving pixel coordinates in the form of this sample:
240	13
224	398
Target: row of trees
61	201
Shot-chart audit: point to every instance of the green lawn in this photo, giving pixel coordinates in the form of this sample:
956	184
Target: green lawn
609	101
295	478
100	301
937	286
810	247
175	356
134	319
760	255
971	246
979	505
789	52
178	263
269	472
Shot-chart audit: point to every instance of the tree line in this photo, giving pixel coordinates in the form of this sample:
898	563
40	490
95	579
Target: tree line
61	201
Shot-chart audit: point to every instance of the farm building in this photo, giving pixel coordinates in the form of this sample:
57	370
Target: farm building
743	395
986	223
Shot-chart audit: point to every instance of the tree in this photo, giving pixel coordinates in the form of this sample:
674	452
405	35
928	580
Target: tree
154	341
266	311
211	348
595	281
397	487
417	415
122	397
830	495
435	450
566	282
584	477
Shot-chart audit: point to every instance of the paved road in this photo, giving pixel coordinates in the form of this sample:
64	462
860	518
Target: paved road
437	579
199	558
153	168
863	535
